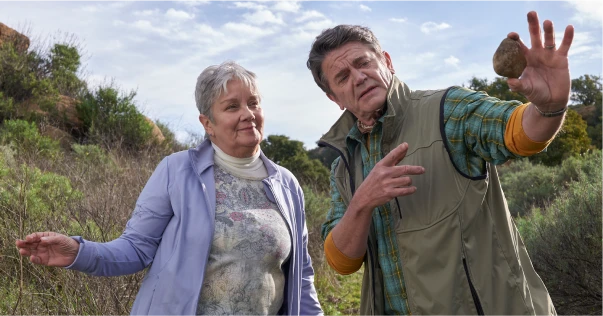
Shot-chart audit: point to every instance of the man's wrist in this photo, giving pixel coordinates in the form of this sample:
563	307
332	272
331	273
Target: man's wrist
550	113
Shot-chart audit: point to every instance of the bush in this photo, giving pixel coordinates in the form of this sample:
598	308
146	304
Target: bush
111	119
564	242
527	185
25	138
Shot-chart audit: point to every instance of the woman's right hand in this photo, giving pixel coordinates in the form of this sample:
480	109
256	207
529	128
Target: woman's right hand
49	249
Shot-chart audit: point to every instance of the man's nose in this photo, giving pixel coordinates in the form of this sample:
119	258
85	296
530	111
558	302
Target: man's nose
359	77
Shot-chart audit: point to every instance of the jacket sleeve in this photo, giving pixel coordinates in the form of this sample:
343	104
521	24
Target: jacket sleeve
309	304
135	248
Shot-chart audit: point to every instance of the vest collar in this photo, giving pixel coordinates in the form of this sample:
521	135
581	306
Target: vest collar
398	96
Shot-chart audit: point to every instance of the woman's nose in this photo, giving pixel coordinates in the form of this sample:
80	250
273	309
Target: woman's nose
248	114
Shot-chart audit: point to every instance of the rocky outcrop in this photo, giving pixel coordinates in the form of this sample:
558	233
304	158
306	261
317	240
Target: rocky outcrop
157	134
8	35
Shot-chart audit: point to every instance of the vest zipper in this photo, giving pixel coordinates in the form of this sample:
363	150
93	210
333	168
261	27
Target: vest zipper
476	301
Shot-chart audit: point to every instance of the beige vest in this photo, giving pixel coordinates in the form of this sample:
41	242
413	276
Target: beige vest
460	250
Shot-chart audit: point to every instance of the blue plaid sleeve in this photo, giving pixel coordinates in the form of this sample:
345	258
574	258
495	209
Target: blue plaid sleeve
337	208
474	125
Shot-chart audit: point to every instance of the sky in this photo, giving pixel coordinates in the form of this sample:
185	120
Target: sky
158	49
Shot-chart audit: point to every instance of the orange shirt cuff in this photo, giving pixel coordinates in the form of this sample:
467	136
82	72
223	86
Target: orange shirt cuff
338	261
516	139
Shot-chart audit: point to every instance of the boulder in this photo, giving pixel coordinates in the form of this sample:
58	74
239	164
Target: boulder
65	139
157	134
8	35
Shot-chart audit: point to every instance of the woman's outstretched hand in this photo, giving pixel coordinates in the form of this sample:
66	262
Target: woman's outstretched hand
49	249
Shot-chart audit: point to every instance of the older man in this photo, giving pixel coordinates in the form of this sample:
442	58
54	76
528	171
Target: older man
415	193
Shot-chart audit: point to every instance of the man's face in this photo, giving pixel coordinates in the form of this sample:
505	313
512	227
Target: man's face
358	79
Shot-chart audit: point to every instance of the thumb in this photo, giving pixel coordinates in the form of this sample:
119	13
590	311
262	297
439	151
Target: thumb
517	85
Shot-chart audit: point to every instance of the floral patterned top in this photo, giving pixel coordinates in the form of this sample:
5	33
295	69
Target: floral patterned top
251	243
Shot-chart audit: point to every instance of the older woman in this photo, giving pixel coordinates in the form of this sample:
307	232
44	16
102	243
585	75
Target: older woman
222	226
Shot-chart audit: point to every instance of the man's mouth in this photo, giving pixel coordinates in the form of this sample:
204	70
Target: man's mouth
365	92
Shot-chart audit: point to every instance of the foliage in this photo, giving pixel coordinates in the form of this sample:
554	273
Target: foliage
64	63
112	119
572	140
586	90
527	185
326	155
25	138
564	242
497	88
292	155
595	134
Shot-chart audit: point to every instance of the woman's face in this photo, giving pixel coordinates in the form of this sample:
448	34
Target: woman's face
238	125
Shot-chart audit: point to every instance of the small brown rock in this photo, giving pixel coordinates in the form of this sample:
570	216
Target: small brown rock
508	59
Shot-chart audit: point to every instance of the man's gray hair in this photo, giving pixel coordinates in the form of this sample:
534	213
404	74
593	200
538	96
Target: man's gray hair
333	38
212	82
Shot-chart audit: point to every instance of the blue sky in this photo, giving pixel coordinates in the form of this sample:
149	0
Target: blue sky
159	48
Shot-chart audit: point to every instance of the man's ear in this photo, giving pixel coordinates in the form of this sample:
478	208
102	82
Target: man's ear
388	62
206	122
334	99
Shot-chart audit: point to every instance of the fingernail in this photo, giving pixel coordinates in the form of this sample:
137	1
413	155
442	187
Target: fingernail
44	238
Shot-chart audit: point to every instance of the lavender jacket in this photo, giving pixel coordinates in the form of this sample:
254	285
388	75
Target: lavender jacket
172	227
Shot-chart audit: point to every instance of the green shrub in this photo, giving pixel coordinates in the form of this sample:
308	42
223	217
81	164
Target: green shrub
564	242
91	155
7	108
527	185
112	119
25	138
64	62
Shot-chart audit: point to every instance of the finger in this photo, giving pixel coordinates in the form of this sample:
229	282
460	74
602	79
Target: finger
514	36
35	259
405	191
534	27
400	182
395	156
566	42
520	86
398	171
549	33
24	252
50	240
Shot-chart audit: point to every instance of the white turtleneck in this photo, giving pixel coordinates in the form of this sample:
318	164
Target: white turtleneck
251	168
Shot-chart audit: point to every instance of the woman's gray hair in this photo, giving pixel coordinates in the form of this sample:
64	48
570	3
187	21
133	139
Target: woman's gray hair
333	38
212	82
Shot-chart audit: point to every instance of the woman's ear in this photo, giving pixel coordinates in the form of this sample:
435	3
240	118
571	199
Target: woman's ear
206	122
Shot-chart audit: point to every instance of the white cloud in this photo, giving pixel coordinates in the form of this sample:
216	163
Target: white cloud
247	30
95	8
429	27
308	15
146	12
174	14
317	26
588	11
249	5
452	61
262	16
287	6
193	3
398	20
147	26
365	8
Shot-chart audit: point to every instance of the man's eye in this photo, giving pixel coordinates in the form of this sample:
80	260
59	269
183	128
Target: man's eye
342	79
